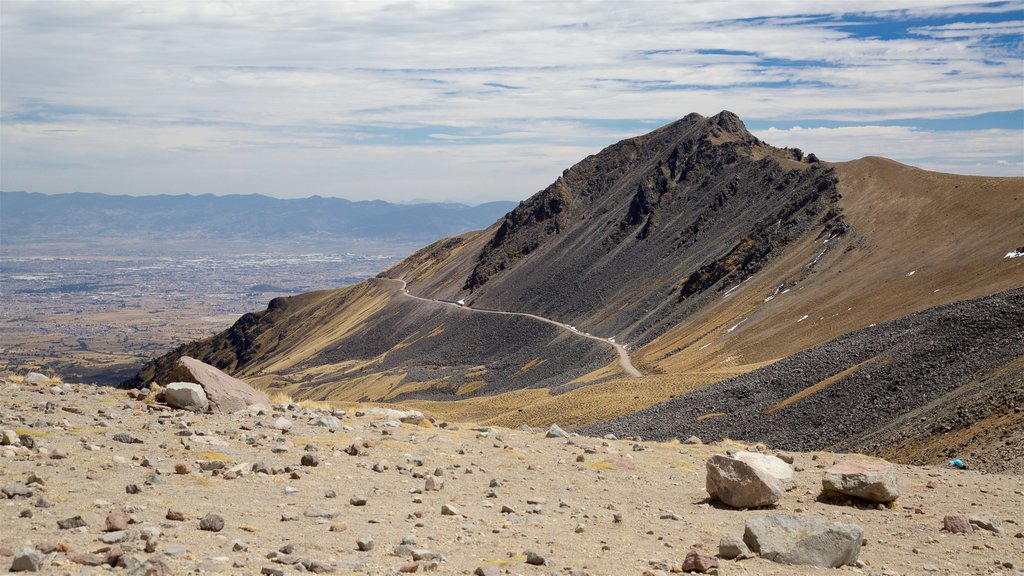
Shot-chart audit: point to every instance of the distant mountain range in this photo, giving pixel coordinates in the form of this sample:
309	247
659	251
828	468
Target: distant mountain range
27	217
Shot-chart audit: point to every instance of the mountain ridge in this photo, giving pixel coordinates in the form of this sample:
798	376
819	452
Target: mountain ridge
42	217
707	253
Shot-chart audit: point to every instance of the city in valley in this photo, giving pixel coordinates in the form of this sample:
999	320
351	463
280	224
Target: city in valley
97	312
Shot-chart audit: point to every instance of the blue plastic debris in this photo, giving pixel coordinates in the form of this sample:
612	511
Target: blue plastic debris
958	463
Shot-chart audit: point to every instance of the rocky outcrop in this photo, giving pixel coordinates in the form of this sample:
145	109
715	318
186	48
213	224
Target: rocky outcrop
225	393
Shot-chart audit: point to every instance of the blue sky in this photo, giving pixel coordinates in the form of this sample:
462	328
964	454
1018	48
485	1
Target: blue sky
480	100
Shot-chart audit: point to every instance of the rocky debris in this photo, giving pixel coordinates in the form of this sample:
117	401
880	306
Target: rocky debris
9	438
226	394
283	424
957	524
791	539
309	460
175	514
211	522
17	491
742	483
186	396
699	562
871	480
489	570
27	560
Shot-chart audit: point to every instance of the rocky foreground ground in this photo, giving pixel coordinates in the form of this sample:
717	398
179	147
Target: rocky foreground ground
95	480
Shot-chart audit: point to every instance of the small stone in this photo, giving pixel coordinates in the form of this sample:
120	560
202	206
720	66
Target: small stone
86	559
699	562
433	484
70	523
357	501
289	516
283	424
364	544
132	489
489	570
338	527
314	512
175	514
116	522
182	468
957	524
617	517
692	440
447	510
211	523
534	559
309	460
408	568
239	546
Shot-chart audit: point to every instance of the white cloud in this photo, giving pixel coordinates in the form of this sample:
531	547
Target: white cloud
269	86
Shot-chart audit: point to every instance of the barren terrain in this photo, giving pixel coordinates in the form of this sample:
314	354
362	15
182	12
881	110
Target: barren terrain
506	492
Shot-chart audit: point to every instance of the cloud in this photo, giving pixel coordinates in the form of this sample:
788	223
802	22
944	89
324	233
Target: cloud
182	87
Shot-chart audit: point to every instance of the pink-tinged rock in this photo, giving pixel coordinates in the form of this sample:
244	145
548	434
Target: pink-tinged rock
699	562
116	522
957	524
225	393
741	484
86	559
870	480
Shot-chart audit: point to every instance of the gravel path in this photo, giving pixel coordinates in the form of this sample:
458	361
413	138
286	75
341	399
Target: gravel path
624	361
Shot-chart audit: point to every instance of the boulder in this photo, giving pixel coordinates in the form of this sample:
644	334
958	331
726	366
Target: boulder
699	562
405	416
36	378
186	396
742	483
555	431
870	480
772	465
225	393
790	539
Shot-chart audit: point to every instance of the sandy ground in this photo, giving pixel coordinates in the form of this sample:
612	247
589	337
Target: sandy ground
563	495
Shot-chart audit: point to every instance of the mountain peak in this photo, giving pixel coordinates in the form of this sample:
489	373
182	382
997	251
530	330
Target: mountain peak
729	122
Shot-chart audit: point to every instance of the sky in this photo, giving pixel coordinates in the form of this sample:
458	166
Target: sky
480	100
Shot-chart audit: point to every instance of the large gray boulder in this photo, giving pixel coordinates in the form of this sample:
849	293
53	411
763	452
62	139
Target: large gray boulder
186	396
790	539
225	393
743	482
871	480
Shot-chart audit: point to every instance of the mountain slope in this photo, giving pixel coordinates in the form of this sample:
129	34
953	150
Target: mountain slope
709	253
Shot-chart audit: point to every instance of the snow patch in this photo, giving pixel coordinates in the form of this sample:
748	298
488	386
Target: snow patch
1014	254
802	318
705	346
911	273
736	326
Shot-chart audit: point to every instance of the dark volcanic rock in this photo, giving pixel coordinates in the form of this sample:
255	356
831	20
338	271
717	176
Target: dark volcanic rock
920	360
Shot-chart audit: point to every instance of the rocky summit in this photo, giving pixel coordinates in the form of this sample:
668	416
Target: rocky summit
385	491
692	281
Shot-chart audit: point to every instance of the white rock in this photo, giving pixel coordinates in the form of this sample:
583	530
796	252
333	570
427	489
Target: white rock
741	484
186	396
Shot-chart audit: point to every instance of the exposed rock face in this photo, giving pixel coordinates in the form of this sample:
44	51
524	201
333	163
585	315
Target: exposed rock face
186	396
225	393
871	480
741	483
789	539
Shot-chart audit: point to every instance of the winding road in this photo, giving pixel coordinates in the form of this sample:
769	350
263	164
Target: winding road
624	361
